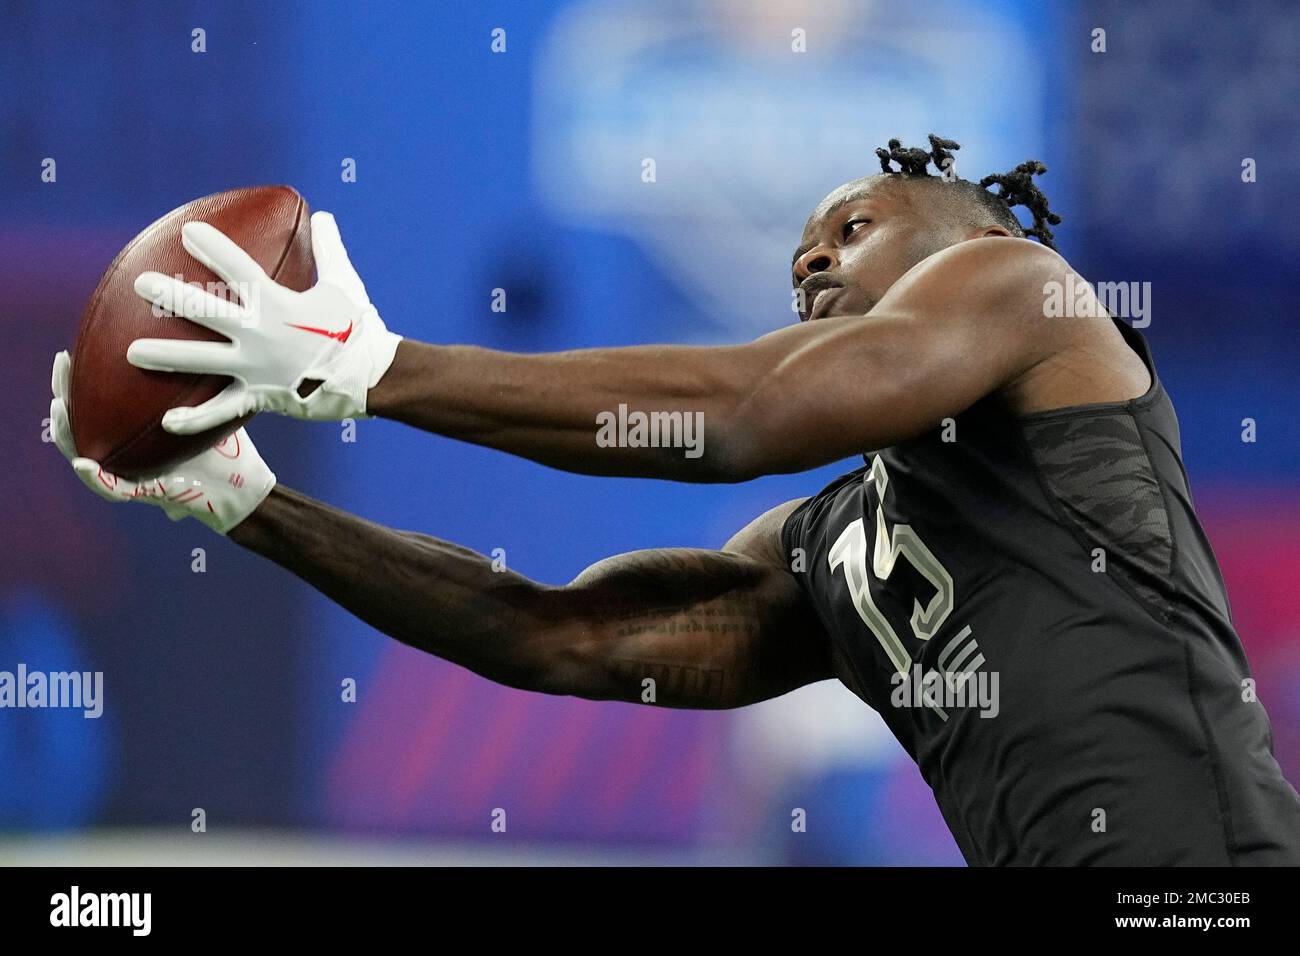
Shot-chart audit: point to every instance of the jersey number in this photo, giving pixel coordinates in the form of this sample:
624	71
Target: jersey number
850	552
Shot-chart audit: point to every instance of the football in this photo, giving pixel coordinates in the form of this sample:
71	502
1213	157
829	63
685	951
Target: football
116	409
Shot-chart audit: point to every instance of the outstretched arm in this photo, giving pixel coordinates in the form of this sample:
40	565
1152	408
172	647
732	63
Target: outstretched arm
962	324
711	629
948	333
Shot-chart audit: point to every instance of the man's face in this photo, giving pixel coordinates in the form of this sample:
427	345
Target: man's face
861	238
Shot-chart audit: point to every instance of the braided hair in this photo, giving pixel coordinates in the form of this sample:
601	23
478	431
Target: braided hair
1015	188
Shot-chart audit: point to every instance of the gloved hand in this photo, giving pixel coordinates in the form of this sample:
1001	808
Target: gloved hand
329	334
220	486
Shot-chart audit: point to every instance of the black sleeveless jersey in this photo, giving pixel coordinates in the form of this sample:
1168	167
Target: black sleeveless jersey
1031	605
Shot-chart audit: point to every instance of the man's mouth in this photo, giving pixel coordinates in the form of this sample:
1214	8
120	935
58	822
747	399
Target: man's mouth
820	301
815	302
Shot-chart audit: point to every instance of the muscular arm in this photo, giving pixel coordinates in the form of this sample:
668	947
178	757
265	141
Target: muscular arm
712	629
963	323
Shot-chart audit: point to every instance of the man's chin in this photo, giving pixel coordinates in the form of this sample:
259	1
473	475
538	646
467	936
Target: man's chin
854	308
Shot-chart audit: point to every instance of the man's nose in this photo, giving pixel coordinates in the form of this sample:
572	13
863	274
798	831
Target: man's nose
816	259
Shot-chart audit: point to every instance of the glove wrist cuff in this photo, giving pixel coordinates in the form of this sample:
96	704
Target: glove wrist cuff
383	349
229	514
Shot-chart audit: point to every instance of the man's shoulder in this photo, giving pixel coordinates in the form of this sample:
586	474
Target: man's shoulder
1003	268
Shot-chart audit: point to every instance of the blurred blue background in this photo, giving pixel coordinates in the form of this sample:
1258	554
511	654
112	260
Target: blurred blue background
521	170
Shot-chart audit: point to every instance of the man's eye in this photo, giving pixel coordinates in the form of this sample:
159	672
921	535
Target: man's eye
851	226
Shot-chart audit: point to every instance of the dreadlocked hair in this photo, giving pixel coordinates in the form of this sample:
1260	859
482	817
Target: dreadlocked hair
1015	188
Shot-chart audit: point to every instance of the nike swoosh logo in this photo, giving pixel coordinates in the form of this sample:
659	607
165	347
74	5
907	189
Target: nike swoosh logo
340	336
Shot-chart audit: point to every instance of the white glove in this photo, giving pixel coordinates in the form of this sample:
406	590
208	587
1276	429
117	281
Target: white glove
279	338
220	486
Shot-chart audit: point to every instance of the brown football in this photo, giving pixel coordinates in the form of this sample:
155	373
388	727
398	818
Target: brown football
115	408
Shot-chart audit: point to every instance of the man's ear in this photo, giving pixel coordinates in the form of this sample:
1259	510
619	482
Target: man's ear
994	231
